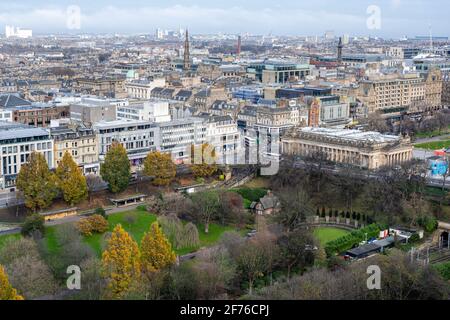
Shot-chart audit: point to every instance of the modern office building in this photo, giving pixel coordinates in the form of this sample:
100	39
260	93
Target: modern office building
91	110
370	150
17	142
278	71
333	111
138	138
154	110
177	137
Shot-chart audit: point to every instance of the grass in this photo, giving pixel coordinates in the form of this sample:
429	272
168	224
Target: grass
247	203
431	134
136	228
435	145
328	234
435	192
142	223
5	238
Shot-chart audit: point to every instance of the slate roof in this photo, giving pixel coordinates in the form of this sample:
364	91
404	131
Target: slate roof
269	202
11	101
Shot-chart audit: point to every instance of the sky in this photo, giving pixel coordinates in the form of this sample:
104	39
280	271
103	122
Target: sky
383	18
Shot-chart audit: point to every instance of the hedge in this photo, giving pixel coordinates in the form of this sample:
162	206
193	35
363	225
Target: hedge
348	241
252	194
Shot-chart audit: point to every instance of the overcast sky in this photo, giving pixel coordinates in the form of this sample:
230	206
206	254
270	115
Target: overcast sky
280	17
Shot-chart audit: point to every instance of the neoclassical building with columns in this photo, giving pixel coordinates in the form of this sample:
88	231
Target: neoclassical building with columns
370	150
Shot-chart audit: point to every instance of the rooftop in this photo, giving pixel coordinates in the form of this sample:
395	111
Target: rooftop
12	130
354	135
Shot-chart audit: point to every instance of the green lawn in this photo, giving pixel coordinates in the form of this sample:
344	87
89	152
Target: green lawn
328	234
4	238
432	134
435	145
142	225
136	229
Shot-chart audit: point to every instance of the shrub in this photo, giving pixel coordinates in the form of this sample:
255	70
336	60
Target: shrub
444	270
32	224
101	212
92	224
430	224
414	238
142	207
348	241
252	194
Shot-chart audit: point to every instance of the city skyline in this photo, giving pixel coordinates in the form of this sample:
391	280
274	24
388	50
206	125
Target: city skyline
398	17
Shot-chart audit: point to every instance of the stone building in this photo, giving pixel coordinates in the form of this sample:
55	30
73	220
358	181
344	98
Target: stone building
81	143
370	150
401	91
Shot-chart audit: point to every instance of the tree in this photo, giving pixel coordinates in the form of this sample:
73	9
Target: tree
173	229
26	270
203	160
116	168
94	183
295	208
191	237
37	183
376	122
156	250
205	206
296	249
214	272
71	181
161	167
31	276
94	284
32	224
7	292
120	263
252	262
231	208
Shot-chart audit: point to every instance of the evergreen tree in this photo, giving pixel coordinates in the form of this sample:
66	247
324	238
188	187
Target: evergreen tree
116	168
160	166
7	292
37	183
120	262
156	250
71	181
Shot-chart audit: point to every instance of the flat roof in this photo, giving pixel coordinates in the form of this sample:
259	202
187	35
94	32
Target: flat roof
354	135
12	130
116	123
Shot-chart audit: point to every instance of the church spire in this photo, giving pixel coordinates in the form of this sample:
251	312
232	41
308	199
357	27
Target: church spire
187	58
